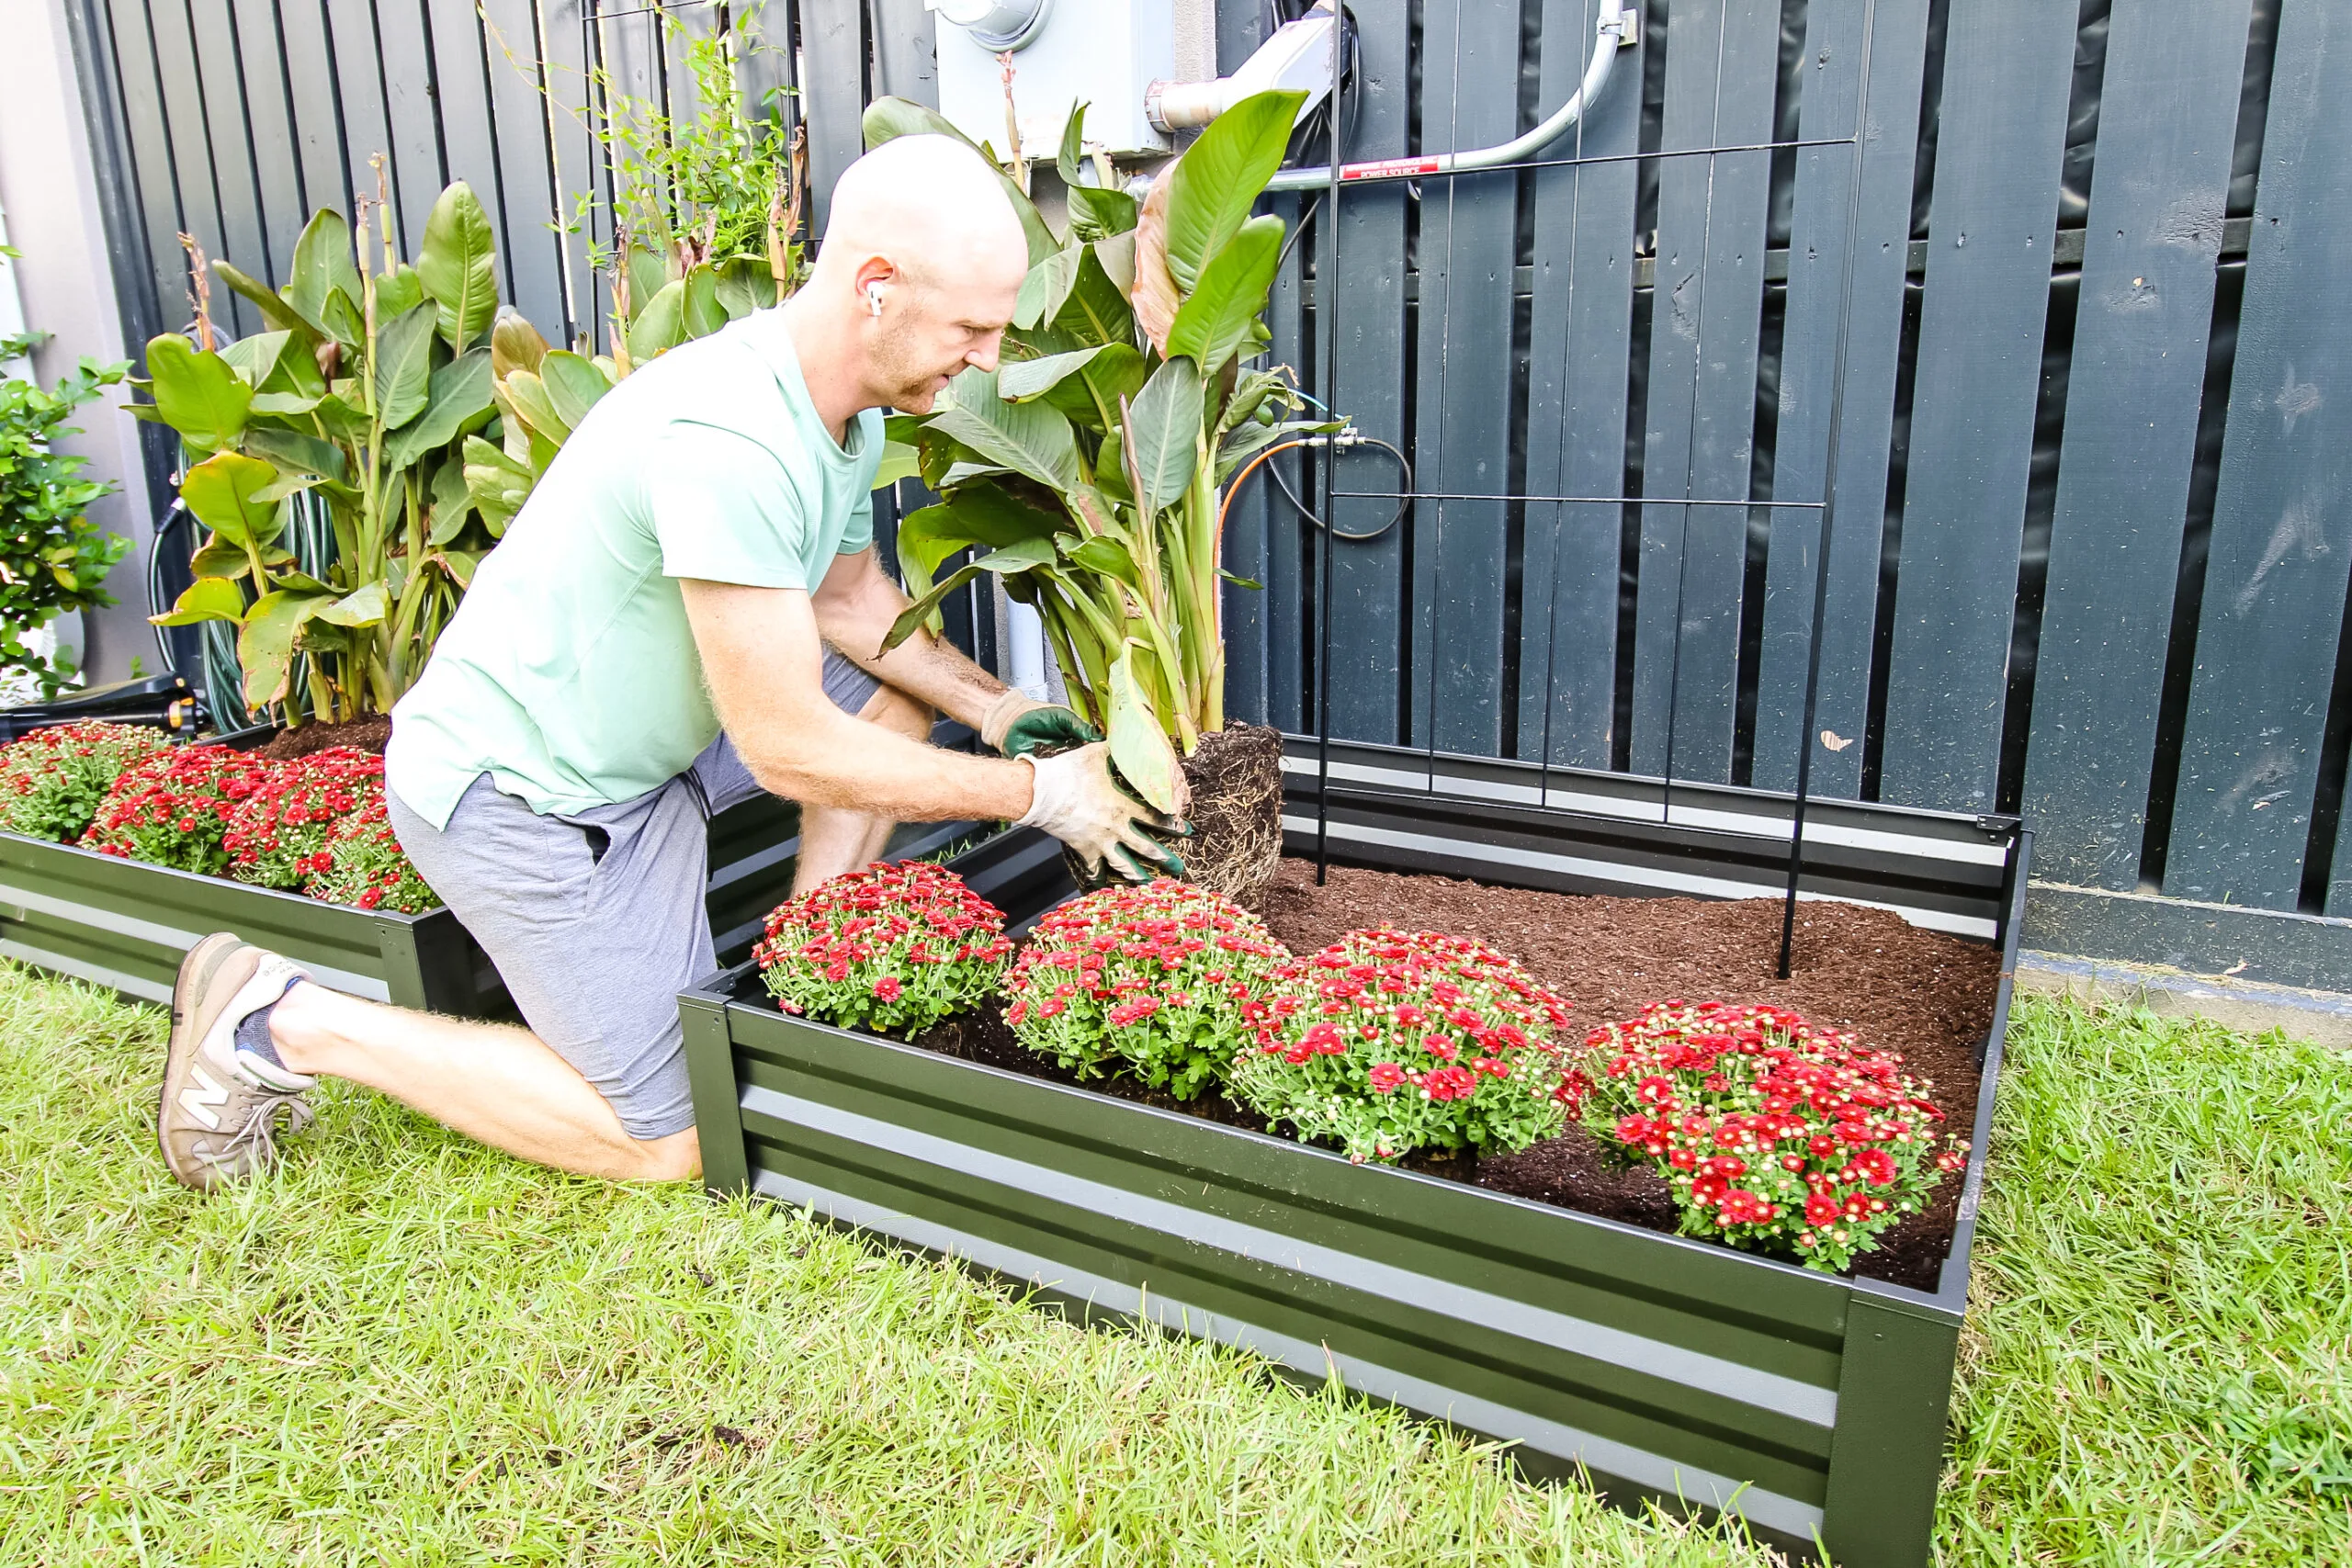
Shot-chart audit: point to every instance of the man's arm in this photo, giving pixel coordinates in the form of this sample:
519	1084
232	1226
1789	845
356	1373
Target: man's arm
763	656
854	607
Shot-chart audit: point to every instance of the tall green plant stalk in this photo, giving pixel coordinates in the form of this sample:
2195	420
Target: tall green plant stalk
1084	473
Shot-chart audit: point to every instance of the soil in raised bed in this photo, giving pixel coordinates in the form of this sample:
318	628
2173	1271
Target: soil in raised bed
362	733
1924	994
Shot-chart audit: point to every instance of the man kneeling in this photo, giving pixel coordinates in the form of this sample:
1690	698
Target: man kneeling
687	612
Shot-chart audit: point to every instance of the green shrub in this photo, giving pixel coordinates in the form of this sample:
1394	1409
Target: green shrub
53	559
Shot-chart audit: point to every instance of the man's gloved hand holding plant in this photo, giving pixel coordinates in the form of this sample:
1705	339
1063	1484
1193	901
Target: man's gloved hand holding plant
1080	801
1019	726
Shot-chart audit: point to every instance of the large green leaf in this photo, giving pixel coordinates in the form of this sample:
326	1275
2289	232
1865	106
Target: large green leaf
1046	286
1214	321
1139	741
661	324
221	492
890	118
701	312
458	266
292	450
975	514
1099	213
1164	430
1029	438
1103	554
1069	158
572	384
197	393
1219	178
277	312
403	367
265	646
899	462
647	277
256	358
1095	311
364	606
458	401
530	399
453	503
497	484
1237	446
295	376
322	265
1026	379
1018	558
398	291
207	599
745	284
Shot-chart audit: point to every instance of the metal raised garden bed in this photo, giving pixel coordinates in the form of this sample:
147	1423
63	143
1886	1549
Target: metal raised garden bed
1810	1406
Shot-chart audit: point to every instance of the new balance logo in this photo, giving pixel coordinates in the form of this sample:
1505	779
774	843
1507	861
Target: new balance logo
204	1105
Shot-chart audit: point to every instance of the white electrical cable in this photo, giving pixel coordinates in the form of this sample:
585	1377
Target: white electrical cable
1612	32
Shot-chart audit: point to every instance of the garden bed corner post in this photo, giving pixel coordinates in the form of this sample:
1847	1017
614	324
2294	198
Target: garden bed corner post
1887	1457
710	1076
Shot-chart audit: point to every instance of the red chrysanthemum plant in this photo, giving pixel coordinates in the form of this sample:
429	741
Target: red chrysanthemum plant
175	810
893	949
366	867
1387	1042
1163	978
52	781
278	837
1776	1135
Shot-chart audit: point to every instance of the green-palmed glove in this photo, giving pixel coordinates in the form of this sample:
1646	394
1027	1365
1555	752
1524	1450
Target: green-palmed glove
1018	727
1080	801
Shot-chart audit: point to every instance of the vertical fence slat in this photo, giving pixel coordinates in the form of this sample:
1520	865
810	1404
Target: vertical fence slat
1367	291
148	134
465	105
194	150
1808	364
534	251
1580	333
578	175
2167	118
1721	76
832	42
410	107
1469	99
1285	562
318	139
2008	71
357	82
275	145
906	62
1240	26
2282	517
243	242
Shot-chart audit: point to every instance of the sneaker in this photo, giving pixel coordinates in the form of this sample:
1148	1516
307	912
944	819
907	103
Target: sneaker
218	1118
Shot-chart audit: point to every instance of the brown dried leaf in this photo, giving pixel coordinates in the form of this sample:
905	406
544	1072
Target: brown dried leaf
1154	295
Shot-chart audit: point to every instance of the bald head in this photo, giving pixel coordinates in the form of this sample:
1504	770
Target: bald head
921	260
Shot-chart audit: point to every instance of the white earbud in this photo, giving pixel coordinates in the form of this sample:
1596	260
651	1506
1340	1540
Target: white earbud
874	298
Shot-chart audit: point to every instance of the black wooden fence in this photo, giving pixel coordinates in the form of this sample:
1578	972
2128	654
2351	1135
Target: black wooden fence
2095	468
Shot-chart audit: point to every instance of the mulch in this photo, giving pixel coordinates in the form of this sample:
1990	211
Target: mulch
1922	993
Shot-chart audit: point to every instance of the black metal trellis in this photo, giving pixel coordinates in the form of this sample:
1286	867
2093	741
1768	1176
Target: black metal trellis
1825	532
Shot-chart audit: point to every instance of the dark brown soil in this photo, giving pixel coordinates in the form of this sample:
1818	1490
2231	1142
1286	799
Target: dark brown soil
1235	781
1922	993
363	734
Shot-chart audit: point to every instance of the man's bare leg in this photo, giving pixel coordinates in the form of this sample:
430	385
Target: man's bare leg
497	1084
833	839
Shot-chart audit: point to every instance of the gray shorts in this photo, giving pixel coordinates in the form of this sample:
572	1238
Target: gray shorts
597	919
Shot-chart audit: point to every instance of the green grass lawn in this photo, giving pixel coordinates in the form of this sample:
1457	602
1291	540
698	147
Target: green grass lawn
403	1349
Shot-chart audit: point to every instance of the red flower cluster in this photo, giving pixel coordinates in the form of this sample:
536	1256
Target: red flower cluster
52	781
278	837
366	867
1390	1041
174	808
1775	1135
1162	976
892	948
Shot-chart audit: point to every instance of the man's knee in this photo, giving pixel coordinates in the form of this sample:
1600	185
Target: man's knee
677	1157
895	710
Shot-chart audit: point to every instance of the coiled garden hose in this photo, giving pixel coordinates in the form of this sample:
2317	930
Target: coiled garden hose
1343	440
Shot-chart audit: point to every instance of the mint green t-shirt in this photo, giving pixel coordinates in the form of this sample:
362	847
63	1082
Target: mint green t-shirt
570	674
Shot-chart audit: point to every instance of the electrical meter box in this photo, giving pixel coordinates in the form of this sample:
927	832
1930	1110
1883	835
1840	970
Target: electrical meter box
1103	53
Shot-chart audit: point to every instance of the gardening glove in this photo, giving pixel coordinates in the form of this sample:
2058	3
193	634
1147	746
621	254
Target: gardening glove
1016	726
1079	801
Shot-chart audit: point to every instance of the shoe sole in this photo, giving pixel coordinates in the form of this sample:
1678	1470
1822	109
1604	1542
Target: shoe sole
196	970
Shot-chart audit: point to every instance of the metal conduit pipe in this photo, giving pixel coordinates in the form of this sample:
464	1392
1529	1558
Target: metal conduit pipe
1613	32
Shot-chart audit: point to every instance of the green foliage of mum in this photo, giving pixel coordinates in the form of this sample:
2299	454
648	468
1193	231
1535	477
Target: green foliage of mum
402	1347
